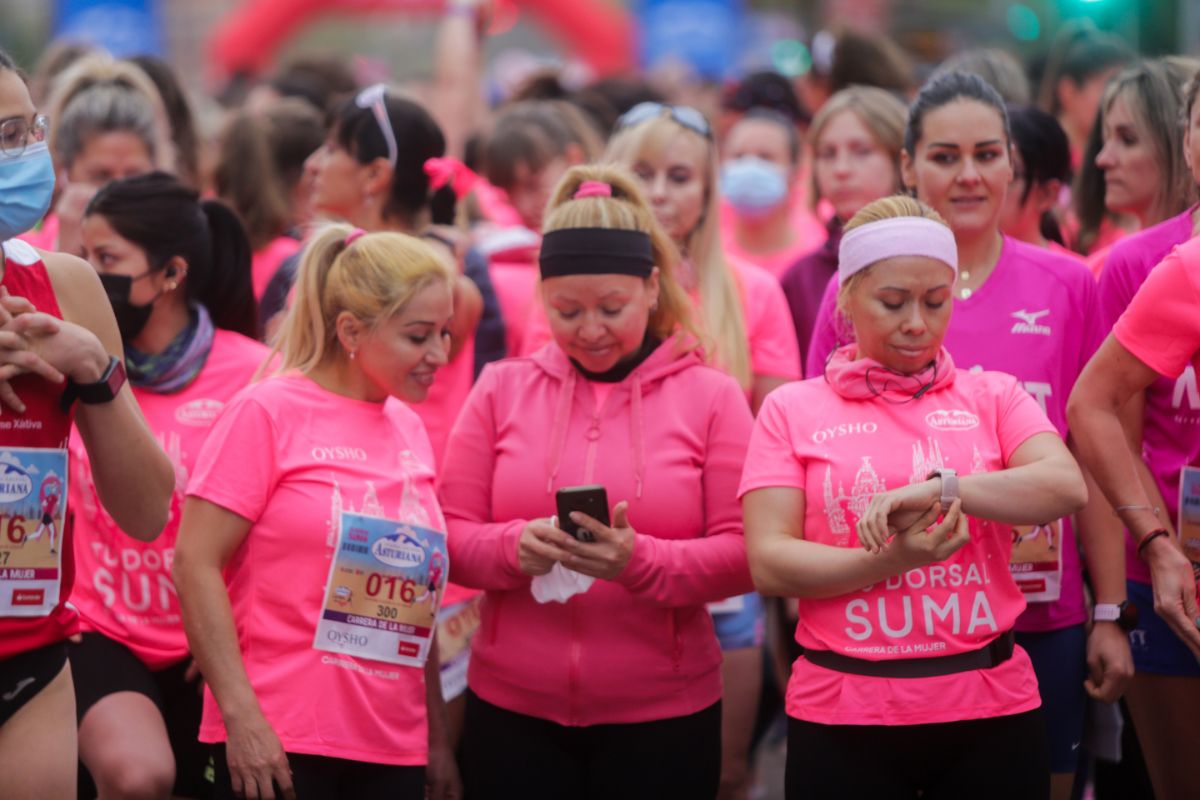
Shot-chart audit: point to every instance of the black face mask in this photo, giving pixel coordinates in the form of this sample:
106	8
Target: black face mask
130	318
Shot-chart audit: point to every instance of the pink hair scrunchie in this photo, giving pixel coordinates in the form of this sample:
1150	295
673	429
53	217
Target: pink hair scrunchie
354	235
592	189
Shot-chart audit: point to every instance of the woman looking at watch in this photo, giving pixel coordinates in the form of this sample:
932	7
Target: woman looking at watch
907	631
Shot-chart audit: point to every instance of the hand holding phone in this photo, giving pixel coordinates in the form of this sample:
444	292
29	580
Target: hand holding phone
591	500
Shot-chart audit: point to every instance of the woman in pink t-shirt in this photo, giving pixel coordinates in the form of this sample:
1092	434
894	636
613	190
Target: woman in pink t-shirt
596	672
311	557
176	271
1157	336
1033	314
909	653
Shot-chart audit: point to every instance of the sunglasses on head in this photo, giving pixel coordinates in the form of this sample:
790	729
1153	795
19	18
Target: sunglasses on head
686	116
373	97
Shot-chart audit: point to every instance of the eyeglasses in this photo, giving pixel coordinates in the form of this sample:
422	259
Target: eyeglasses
686	116
373	98
16	133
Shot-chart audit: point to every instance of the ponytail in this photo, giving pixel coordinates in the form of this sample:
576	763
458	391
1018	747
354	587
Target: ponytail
372	278
227	292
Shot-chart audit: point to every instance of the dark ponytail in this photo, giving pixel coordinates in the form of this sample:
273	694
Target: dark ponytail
166	219
228	293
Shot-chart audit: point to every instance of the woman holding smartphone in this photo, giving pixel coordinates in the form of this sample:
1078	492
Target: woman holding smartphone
615	692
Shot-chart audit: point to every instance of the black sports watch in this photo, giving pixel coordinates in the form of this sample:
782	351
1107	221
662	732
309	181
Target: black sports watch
102	391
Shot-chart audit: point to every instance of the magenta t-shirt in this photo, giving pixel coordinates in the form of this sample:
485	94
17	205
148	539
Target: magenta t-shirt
290	457
841	448
1037	318
123	587
1171	419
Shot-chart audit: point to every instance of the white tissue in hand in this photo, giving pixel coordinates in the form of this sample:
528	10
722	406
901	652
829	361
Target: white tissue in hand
559	585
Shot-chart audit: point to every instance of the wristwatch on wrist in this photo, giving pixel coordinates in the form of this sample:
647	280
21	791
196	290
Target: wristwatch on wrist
1123	613
102	391
949	486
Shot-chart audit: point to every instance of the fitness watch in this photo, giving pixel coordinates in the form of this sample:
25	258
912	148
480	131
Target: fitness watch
102	391
1123	613
949	486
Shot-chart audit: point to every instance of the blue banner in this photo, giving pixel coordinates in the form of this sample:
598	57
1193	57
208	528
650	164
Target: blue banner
704	34
122	27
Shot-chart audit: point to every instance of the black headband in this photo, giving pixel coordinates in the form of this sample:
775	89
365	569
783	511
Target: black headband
596	251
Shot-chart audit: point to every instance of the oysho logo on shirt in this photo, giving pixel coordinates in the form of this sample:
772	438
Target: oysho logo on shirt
199	413
1027	322
945	419
339	454
845	429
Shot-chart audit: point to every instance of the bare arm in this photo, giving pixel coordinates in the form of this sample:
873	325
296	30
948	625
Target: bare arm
1042	483
1101	396
208	537
1102	537
441	778
760	387
456	101
784	564
133	475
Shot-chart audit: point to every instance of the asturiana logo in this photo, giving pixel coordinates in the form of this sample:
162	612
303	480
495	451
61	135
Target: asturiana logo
945	419
400	550
199	413
15	483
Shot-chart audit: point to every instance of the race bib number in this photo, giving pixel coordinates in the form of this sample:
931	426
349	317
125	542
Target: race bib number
33	505
1036	562
1189	512
457	625
385	584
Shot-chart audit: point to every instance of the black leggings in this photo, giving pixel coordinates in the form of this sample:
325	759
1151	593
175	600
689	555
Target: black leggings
1002	758
322	777
509	755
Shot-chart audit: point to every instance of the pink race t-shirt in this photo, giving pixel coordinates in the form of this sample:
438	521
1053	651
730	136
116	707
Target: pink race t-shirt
290	457
441	407
1171	415
773	349
1037	318
810	234
123	587
843	447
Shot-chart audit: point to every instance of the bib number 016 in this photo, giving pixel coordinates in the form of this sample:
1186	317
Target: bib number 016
391	588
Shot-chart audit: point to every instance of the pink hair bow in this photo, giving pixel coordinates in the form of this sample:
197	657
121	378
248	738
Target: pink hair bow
592	189
452	172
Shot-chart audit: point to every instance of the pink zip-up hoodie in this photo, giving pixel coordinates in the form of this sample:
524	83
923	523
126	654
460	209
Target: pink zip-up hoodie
670	439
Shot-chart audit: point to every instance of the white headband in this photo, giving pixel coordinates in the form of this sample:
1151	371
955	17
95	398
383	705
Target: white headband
899	236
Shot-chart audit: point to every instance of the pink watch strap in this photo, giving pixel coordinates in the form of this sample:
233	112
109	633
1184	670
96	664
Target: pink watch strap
949	486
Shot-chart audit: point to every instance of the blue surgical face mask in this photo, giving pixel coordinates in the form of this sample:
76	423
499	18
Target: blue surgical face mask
752	186
26	186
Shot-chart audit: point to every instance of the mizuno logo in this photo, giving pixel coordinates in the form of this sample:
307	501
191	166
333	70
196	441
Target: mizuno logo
1027	322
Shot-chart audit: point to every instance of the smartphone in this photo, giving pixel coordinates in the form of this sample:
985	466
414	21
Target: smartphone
591	500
